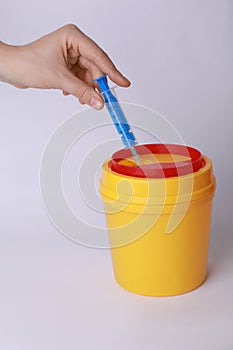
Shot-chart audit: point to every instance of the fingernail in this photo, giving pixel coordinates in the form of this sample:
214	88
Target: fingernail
127	79
96	103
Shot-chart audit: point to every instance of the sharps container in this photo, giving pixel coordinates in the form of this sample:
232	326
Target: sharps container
158	216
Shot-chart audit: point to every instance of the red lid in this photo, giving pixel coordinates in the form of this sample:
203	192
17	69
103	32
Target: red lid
158	170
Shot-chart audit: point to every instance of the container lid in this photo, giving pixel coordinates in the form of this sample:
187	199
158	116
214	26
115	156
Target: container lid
189	161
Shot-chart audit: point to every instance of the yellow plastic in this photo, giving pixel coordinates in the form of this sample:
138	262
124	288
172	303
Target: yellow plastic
147	258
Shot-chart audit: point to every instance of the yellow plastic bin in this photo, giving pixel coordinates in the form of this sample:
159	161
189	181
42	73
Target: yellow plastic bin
158	216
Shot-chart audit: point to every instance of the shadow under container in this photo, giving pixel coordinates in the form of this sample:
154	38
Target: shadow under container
158	216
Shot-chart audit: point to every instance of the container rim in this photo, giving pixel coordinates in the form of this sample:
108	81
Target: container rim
158	170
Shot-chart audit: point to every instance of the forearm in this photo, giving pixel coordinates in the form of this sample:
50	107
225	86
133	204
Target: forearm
14	64
8	61
5	59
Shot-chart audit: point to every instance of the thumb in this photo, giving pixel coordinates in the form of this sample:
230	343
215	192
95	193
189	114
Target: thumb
85	93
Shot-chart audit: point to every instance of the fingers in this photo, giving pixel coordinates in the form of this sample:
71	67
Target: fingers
93	61
92	52
85	93
81	73
90	67
95	54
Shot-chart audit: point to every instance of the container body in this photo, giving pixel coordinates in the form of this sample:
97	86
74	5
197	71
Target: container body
161	264
149	259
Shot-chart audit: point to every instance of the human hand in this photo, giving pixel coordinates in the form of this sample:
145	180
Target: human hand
66	59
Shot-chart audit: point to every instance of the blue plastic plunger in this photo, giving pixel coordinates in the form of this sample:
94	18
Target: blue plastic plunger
118	117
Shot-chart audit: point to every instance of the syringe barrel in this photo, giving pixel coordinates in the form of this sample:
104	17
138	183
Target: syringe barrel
119	119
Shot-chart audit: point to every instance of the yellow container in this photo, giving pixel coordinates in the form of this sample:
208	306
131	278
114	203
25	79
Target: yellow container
159	226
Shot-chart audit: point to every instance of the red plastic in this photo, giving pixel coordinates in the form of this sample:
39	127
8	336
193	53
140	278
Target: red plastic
159	170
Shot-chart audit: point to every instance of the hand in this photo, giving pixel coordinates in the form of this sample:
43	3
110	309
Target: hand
66	59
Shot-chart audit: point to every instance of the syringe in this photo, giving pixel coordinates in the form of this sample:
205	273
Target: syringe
118	117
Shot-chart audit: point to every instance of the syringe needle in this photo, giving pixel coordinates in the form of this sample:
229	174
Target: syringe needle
135	155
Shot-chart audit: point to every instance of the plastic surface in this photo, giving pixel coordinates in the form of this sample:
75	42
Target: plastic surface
158	263
158	169
116	113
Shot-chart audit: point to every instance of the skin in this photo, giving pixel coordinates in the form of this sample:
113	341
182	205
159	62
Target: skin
65	59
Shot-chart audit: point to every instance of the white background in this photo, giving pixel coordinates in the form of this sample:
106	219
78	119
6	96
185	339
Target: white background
55	294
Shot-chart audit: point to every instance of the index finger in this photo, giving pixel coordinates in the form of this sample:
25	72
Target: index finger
89	49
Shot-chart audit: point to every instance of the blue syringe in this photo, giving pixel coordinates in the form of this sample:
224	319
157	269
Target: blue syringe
118	117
